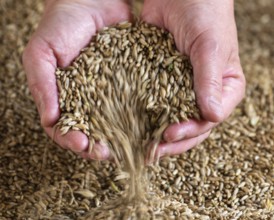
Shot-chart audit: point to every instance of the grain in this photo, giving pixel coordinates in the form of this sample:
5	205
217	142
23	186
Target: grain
127	106
33	169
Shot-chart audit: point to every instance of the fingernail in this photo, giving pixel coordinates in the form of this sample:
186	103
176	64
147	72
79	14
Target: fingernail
215	106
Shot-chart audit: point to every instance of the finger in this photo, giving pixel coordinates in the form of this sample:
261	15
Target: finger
168	149
40	72
233	87
100	151
208	62
57	42
233	81
40	64
49	46
69	26
75	141
78	142
187	130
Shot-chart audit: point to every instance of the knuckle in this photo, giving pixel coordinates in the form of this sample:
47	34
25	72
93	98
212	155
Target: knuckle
213	85
242	84
205	45
209	45
34	88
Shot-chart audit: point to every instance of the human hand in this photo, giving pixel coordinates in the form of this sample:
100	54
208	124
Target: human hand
206	32
66	27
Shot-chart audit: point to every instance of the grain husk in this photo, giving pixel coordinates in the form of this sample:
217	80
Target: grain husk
38	180
125	100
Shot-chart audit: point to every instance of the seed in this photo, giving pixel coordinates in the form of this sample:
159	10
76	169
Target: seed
111	114
85	193
243	142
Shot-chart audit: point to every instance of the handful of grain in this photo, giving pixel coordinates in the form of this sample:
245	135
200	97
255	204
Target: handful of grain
124	89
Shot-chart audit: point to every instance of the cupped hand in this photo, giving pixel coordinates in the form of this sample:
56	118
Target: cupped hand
206	32
65	28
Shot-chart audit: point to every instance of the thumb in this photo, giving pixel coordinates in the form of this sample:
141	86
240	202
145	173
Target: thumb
208	63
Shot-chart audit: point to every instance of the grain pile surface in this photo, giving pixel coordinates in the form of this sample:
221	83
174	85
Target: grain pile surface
229	176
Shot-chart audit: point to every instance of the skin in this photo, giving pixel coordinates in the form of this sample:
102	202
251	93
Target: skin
204	30
65	28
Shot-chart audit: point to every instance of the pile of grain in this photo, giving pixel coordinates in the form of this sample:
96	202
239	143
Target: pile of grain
124	89
229	176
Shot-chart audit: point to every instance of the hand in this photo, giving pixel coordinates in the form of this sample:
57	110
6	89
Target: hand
66	27
206	32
